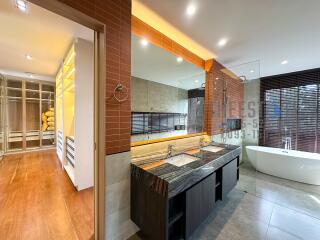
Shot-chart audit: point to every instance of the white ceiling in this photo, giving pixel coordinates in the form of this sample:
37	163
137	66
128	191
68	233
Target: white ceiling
44	35
265	31
156	64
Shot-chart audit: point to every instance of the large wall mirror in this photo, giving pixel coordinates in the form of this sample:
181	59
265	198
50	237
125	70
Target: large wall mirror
167	94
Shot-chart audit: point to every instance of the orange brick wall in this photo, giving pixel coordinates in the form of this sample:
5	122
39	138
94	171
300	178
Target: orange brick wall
116	15
215	80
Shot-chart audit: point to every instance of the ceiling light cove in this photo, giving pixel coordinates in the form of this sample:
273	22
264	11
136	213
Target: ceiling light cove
191	10
284	62
28	56
222	42
179	59
144	42
21	5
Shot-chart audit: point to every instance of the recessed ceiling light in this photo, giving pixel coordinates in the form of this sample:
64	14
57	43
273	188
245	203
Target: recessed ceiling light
196	81
222	42
217	78
28	56
144	42
21	5
179	59
191	9
284	62
252	71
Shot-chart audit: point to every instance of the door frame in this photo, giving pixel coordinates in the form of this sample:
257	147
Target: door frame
99	102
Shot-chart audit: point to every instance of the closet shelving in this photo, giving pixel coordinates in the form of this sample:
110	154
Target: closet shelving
25	102
74	113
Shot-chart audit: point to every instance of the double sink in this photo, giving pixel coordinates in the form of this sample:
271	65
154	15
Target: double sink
183	159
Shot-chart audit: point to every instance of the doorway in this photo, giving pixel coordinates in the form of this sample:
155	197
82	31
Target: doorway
50	187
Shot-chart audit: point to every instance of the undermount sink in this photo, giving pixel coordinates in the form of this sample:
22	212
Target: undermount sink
181	160
212	149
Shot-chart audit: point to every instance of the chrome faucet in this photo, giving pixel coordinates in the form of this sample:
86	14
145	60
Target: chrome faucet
170	150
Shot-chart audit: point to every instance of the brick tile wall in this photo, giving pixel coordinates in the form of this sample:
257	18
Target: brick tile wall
116	15
215	82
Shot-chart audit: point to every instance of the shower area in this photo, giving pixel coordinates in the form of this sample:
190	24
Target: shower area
24	105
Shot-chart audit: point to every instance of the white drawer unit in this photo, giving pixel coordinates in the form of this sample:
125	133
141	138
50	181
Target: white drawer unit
70	151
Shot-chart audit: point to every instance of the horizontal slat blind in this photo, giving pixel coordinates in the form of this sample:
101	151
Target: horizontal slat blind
291	109
156	122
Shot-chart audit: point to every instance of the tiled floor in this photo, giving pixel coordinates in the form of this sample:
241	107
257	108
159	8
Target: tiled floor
264	207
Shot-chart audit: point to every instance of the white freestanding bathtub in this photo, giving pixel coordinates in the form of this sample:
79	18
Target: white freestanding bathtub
290	164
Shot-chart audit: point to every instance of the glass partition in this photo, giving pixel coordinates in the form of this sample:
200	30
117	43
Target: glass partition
167	94
14	115
32	115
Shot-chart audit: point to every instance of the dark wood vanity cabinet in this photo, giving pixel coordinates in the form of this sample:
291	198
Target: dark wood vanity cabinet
161	218
229	177
200	201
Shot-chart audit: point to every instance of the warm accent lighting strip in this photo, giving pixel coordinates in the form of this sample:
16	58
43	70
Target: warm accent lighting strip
69	88
70	73
152	19
70	58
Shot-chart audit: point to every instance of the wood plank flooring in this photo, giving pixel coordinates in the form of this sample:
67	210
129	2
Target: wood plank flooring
38	201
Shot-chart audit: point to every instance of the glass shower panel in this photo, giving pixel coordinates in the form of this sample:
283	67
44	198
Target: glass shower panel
239	90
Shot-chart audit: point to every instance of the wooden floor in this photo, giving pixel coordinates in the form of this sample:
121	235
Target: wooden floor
38	201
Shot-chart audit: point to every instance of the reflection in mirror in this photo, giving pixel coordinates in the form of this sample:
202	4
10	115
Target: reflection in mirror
167	93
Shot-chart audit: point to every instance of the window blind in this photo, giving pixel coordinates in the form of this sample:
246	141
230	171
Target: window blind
290	108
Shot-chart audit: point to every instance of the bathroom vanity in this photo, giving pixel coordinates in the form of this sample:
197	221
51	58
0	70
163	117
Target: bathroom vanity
171	197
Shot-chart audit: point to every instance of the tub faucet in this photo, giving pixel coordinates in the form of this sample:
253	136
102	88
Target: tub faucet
287	143
170	150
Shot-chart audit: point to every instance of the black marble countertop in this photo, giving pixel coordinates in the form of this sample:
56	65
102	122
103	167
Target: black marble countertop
169	180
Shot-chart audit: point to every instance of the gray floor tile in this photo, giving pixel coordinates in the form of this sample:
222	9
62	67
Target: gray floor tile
277	234
295	223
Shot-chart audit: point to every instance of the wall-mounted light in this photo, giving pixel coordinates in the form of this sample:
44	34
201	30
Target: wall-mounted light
284	62
252	71
21	5
28	56
144	42
196	81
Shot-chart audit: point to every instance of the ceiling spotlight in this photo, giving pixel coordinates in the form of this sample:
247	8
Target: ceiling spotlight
217	78
179	59
196	81
144	42
252	71
21	5
28	56
222	42
284	62
191	9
